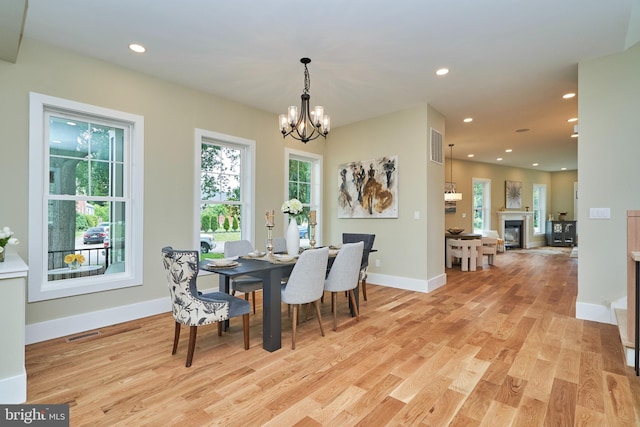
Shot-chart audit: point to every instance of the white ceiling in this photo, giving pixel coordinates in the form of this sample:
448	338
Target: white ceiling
511	61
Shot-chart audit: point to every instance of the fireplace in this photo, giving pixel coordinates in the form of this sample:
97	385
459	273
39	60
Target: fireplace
513	231
525	220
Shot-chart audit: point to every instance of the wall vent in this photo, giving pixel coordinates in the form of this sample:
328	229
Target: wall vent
436	146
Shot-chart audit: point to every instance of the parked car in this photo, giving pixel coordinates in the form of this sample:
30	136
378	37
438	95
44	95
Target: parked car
95	235
106	226
207	242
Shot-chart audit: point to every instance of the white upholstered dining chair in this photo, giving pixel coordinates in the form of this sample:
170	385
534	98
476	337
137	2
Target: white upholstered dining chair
344	276
306	285
247	284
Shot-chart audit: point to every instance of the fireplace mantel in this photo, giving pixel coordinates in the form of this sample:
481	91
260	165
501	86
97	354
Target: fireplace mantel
524	216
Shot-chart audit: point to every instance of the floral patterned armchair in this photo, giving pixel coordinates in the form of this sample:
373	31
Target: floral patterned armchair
192	308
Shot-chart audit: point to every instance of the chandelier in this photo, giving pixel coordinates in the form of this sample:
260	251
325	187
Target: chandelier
305	125
450	195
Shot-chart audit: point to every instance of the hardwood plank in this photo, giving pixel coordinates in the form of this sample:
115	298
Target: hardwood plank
499	346
561	407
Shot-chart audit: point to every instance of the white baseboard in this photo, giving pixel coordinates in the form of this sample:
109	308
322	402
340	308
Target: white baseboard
64	326
57	328
407	283
13	390
595	312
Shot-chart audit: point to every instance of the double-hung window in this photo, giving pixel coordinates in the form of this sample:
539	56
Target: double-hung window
303	182
225	185
539	208
86	171
481	204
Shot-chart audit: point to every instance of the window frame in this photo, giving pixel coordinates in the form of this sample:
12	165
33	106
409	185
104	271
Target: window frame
40	289
541	209
316	161
486	206
247	182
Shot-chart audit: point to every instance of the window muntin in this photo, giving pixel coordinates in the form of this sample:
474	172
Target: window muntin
539	208
481	204
225	183
304	182
82	174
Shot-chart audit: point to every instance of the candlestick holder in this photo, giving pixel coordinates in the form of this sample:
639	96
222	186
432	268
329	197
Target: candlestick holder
270	241
312	241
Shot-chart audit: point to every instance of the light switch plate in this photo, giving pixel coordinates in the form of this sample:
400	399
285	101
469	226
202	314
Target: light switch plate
599	213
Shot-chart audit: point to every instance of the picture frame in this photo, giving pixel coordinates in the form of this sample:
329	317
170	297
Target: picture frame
368	188
513	194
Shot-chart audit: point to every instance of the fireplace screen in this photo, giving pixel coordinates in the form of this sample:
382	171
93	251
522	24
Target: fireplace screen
513	234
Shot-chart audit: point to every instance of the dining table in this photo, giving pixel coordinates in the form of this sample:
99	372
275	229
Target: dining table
271	274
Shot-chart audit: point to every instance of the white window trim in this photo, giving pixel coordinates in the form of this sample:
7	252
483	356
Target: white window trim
543	213
248	180
316	185
486	205
40	288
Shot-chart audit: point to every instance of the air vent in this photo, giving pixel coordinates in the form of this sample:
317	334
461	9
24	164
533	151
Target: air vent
436	147
82	336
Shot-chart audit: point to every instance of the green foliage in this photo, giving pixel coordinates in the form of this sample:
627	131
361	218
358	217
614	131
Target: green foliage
92	220
81	222
235	225
300	180
226	224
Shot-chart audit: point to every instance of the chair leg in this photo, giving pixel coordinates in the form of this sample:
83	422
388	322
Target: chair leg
352	295
253	299
334	301
176	338
319	316
364	287
293	326
193	330
220	328
245	327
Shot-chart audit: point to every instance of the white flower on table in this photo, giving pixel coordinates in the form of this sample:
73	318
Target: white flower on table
292	207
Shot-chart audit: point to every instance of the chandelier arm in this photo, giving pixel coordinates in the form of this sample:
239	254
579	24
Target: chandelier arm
304	123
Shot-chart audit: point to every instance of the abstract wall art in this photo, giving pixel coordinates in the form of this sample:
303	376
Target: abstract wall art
513	194
368	188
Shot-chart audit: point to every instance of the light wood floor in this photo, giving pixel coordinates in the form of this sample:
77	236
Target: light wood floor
496	347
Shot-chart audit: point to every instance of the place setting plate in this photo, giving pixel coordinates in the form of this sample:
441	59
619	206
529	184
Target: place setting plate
254	255
223	263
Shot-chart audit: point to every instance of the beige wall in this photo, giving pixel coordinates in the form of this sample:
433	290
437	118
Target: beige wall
465	171
171	114
608	159
562	196
401	241
609	107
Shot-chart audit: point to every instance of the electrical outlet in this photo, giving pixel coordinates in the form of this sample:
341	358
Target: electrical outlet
377	263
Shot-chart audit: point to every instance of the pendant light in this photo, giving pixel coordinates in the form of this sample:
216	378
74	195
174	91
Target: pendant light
305	124
450	195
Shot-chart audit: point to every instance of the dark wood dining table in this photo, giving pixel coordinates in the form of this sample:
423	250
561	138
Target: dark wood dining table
271	275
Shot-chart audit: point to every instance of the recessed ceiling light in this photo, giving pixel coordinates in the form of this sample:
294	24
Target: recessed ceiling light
442	71
573	119
468	120
138	48
523	130
534	164
563	169
568	95
499	159
508	150
72	123
470	155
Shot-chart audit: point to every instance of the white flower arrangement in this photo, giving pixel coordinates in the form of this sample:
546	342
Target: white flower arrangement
292	207
6	239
